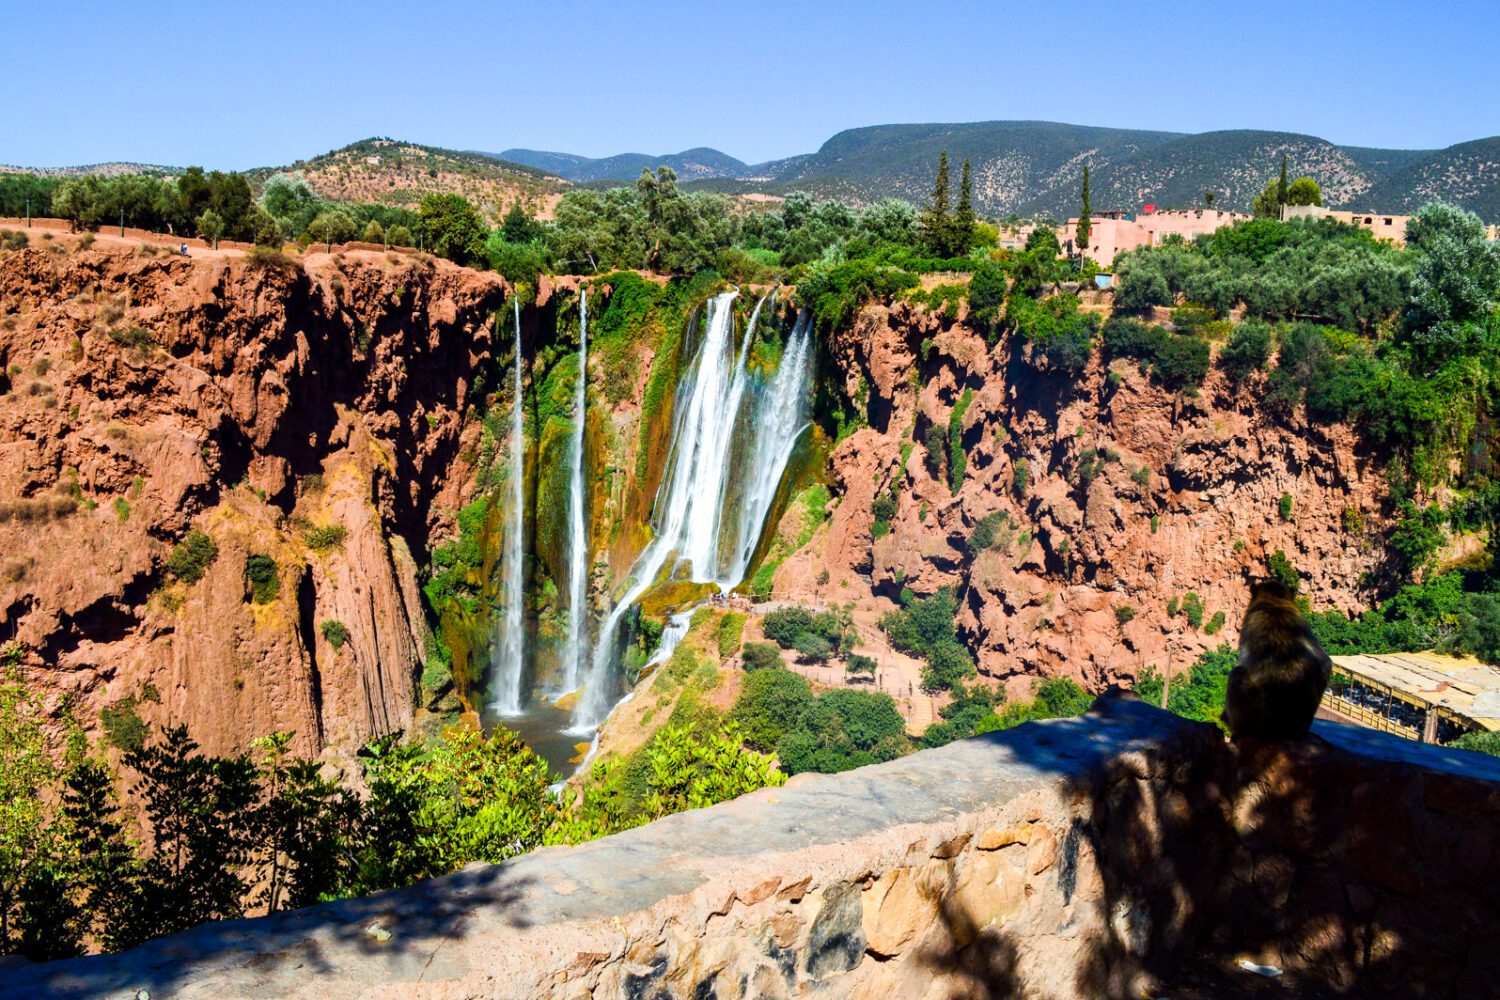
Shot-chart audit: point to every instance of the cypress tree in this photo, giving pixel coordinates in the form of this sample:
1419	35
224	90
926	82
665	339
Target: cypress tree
1281	187
935	221
962	236
1085	217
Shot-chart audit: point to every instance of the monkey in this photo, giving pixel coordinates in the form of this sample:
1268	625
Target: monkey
1274	692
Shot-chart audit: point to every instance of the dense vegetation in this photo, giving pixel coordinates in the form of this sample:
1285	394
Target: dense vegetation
210	838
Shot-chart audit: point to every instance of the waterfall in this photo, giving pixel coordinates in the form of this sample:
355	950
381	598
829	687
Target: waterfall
780	422
578	540
706	476
511	642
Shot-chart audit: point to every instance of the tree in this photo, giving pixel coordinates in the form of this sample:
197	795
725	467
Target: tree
1273	196
1208	198
936	224
962	234
30	852
518	226
1454	288
330	227
1304	191
771	702
211	226
265	231
1085	217
374	232
107	869
450	228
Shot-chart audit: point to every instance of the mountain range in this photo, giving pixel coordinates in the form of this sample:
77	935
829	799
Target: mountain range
1025	168
1036	168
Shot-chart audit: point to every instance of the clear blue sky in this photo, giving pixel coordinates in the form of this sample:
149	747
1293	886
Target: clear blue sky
234	84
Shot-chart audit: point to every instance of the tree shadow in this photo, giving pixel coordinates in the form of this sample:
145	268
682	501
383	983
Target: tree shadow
1357	865
392	936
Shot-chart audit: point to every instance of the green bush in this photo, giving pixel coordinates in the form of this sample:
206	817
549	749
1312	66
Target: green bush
123	727
731	628
1021	477
320	538
858	663
1058	332
191	557
335	632
958	459
783	625
264	578
936	444
1280	568
1215	624
1284	507
812	647
1479	742
1248	350
843	729
926	628
1192	607
770	704
760	655
991	531
1175	360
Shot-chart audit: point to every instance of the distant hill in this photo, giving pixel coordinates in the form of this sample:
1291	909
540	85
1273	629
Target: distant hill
1016	164
116	168
1028	168
1036	168
1467	174
690	164
402	173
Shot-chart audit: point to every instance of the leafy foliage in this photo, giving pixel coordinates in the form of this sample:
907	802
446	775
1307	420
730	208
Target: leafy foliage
191	557
926	628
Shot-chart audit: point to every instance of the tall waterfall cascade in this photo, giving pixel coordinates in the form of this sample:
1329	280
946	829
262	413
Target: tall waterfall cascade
575	653
510	644
732	437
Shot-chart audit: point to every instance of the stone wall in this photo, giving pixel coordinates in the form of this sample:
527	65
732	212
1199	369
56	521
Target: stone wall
1121	852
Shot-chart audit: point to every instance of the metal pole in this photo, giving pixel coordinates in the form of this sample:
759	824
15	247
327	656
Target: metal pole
122	221
28	213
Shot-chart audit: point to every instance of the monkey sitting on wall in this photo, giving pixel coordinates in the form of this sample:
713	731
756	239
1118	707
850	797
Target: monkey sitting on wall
1274	692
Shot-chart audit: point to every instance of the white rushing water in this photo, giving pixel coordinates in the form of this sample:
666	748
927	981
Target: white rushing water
574	653
780	421
708	477
510	644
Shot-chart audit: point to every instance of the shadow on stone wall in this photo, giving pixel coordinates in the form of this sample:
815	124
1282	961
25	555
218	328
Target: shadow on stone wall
1126	853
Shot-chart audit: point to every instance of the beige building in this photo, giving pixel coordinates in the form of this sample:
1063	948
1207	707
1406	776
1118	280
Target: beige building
1111	233
1385	227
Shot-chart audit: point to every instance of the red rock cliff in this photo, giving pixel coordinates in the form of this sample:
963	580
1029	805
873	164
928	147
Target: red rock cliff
1083	542
151	394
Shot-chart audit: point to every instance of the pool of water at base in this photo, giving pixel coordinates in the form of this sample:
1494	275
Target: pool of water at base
544	727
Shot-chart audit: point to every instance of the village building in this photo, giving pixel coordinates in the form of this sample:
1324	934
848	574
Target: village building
1385	227
1113	232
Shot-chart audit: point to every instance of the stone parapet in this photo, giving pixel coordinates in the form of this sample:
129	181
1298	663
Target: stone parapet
1124	850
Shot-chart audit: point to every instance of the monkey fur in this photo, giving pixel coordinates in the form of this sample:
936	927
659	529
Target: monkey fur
1274	692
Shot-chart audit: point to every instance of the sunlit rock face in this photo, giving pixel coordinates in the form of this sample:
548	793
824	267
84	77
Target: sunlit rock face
1124	851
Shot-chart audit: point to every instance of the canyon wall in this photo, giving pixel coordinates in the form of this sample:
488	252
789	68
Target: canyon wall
311	412
1127	852
1118	493
336	413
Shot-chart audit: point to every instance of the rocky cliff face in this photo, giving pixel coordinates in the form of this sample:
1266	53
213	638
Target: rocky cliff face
324	414
1117	494
311	413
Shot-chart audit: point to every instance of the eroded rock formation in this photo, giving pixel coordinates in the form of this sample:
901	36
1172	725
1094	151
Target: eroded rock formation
1117	494
151	394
